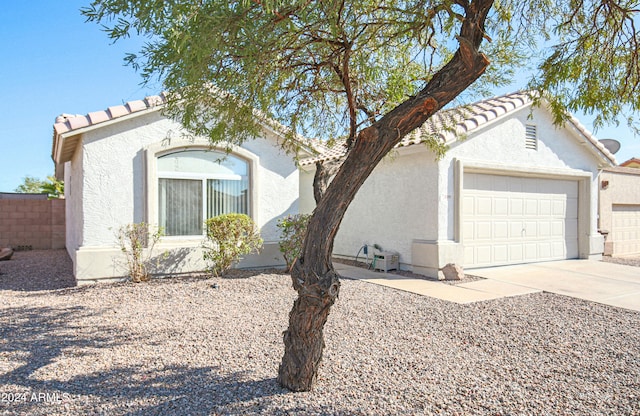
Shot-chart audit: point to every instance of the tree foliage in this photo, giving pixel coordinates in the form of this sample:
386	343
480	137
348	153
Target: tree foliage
370	72
330	68
32	185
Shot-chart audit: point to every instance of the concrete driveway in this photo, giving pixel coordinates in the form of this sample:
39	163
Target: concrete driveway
607	283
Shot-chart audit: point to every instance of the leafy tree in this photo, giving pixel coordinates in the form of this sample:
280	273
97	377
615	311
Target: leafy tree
30	185
53	187
369	71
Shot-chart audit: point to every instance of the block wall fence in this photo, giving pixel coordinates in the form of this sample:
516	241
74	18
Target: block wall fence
30	223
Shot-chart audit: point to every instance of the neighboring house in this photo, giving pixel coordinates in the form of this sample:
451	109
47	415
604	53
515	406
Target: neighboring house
512	188
130	164
631	163
620	210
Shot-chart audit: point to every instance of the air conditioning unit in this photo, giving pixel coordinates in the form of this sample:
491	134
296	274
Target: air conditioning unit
386	260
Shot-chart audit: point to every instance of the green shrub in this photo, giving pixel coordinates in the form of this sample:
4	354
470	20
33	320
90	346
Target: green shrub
229	237
133	239
293	229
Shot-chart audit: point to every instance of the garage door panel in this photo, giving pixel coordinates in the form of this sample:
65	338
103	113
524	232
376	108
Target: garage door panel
483	206
544	251
530	230
558	208
544	229
515	253
468	206
483	254
516	220
501	230
544	207
483	231
530	207
557	229
500	253
530	252
625	233
558	249
500	206
516	206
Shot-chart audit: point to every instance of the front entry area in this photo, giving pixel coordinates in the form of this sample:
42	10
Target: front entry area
512	219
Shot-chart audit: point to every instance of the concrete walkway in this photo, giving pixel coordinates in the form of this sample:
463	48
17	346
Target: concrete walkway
460	293
607	283
597	281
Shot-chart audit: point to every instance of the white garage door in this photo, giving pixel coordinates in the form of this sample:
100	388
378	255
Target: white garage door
510	220
625	232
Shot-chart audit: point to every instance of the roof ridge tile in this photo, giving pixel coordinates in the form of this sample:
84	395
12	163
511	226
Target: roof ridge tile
69	122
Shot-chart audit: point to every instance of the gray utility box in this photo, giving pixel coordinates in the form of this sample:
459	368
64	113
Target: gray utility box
386	260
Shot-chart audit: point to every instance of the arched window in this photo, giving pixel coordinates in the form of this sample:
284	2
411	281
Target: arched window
194	185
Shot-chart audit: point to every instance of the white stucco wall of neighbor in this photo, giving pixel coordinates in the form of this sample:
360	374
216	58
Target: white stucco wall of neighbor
113	183
411	203
619	210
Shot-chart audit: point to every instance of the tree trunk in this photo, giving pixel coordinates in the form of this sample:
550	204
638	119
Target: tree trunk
313	276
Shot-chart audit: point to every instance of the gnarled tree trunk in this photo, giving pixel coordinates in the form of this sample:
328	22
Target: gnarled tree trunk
313	275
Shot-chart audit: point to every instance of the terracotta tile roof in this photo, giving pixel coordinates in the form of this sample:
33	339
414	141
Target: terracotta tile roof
449	125
632	163
69	122
65	137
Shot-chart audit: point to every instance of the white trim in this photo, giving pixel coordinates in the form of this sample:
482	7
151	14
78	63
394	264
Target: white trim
475	166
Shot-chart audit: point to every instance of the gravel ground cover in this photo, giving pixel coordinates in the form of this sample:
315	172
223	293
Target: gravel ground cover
212	346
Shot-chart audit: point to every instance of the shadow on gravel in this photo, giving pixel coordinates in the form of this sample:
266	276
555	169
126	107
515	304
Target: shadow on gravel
172	390
34	340
37	270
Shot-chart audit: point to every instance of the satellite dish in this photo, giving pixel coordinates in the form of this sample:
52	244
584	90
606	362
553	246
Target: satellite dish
612	145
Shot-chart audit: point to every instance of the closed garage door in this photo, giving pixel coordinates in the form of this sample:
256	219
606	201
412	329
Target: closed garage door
625	232
511	220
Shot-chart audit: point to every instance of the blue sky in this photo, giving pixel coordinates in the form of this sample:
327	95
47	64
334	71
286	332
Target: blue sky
53	62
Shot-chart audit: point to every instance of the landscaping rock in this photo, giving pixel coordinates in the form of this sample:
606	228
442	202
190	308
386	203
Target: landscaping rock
6	253
452	272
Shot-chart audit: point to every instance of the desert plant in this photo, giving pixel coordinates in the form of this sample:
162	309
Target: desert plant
292	232
228	238
133	239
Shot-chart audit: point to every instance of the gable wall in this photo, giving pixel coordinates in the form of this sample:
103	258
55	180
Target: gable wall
109	189
502	145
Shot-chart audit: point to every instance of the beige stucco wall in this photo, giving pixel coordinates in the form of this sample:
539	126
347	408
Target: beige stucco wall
110	186
618	186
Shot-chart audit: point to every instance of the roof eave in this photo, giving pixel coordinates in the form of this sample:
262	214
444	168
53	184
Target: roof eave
606	158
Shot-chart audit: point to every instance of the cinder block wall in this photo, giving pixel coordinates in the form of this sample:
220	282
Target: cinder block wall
37	224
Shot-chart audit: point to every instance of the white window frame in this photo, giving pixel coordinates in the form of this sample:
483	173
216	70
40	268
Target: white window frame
173	145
